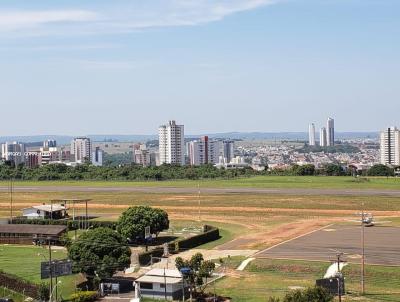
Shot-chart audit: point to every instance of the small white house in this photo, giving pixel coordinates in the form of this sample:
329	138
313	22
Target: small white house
46	211
161	283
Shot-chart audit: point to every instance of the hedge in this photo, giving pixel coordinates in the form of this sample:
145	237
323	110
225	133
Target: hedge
71	224
19	285
84	296
210	234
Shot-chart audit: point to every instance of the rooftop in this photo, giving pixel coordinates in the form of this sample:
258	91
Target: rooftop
51	230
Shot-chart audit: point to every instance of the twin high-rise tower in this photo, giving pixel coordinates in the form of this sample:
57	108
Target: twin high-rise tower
326	134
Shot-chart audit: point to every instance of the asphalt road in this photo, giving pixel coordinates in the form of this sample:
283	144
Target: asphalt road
193	190
382	245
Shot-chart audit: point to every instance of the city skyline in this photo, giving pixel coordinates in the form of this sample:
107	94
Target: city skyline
254	61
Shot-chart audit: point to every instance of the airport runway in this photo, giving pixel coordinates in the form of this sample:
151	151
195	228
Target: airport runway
381	245
194	190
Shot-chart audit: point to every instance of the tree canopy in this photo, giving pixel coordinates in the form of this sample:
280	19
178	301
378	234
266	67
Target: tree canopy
380	170
199	269
99	253
132	222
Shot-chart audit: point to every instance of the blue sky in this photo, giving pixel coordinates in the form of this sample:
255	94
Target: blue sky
125	67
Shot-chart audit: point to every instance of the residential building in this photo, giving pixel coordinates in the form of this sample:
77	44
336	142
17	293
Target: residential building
13	151
141	155
311	134
390	146
203	151
322	137
171	144
228	150
50	143
81	150
330	132
97	157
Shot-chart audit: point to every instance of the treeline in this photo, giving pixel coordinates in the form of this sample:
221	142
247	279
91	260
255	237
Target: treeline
126	172
133	172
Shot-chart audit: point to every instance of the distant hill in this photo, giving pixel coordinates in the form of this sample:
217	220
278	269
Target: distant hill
63	139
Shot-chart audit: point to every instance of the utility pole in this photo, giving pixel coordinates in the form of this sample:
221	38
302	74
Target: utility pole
50	267
362	251
199	201
339	277
11	198
165	286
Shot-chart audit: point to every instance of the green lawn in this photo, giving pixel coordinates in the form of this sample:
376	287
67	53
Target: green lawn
24	261
6	293
250	182
265	278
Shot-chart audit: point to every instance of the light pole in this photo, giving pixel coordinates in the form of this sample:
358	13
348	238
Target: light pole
55	287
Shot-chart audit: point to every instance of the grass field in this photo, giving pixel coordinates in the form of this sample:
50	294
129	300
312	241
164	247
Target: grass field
265	278
9	294
24	261
344	182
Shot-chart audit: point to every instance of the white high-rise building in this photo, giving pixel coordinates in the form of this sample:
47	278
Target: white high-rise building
322	137
204	151
97	157
390	146
81	150
311	134
171	139
330	132
13	151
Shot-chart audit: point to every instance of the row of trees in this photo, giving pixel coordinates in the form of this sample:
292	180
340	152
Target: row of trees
126	172
133	172
98	253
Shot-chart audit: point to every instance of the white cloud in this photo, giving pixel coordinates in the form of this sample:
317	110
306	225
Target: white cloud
27	19
123	15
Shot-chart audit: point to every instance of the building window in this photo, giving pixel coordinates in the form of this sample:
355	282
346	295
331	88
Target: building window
146	285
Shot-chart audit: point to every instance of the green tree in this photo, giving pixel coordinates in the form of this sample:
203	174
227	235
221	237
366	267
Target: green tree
133	221
304	170
99	253
334	170
200	269
380	170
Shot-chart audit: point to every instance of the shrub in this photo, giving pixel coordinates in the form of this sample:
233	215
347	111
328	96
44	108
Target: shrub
84	296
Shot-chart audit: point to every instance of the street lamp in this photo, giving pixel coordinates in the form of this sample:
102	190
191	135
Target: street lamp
55	286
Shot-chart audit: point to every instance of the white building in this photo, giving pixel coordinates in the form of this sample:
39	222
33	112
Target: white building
13	151
228	151
311	134
322	137
204	151
158	283
390	146
330	132
45	211
141	155
171	144
97	157
81	150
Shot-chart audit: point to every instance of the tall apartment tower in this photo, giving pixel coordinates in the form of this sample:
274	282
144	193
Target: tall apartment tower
390	146
81	150
228	151
330	132
311	134
13	151
322	137
204	151
171	139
